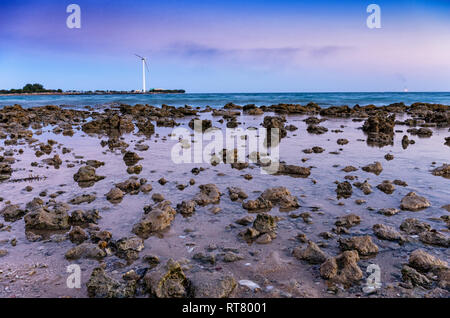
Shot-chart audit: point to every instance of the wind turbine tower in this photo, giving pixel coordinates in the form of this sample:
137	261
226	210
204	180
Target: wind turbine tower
144	67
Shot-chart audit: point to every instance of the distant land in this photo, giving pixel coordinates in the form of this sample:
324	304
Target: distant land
38	89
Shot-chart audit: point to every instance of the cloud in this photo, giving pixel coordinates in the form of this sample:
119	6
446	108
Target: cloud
278	55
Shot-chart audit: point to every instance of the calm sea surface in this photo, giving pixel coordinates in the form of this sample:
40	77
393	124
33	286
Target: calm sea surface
219	100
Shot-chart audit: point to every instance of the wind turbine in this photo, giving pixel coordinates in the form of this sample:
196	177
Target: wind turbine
144	66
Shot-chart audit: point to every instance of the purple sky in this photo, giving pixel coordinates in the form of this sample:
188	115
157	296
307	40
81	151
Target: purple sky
227	46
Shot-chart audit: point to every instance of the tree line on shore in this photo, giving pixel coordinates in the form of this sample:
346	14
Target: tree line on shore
30	88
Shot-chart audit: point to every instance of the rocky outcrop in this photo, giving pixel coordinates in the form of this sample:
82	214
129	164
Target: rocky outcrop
386	232
362	244
380	129
375	168
156	219
209	194
128	248
168	281
342	269
312	253
442	171
413	202
86	176
100	285
344	190
54	217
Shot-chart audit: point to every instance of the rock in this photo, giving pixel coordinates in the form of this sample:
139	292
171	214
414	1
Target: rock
413	202
101	285
424	262
85	250
282	197
209	194
236	193
265	238
413	226
132	185
231	257
349	169
77	235
389	157
156	219
128	248
272	124
146	127
48	218
213	285
265	223
365	187
410	275
134	169
434	237
84	198
55	161
389	211
86	176
342	269
259	204
205	258
162	181
131	158
342	141
98	236
348	221
344	190
312	253
168	281
362	244
421	132
200	125
157	197
316	129
246	220
385	232
12	212
400	183
115	195
380	129
375	168
406	142
442	171
152	260
146	188
317	149
80	217
95	163
110	122
293	171
186	208
386	186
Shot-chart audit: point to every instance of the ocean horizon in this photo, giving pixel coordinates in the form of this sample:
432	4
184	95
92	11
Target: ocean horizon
217	100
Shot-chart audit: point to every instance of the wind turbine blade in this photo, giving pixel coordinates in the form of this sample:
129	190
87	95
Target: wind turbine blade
145	61
139	56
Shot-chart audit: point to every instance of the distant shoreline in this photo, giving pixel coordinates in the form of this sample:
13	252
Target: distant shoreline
175	91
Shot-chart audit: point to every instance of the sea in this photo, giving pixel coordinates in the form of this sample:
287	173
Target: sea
217	100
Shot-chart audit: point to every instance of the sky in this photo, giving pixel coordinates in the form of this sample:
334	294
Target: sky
227	46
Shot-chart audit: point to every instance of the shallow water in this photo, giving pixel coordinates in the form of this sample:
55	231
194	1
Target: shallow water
219	100
267	265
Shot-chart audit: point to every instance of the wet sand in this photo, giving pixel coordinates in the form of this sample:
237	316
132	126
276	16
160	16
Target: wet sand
38	269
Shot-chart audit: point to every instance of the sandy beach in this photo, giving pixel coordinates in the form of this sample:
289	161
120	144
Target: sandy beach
355	188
